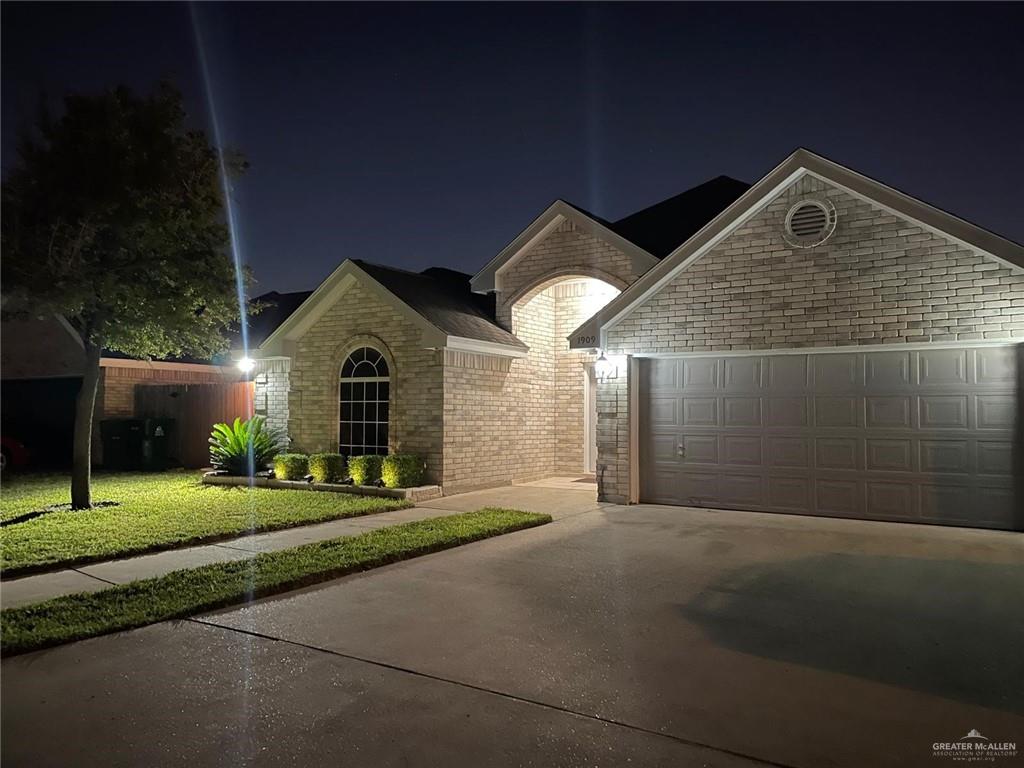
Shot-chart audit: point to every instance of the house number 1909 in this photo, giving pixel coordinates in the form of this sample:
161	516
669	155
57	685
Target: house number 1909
586	339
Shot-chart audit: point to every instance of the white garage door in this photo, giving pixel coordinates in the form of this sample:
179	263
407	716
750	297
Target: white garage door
919	436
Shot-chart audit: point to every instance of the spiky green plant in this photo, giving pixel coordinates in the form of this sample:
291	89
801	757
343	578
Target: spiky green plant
233	445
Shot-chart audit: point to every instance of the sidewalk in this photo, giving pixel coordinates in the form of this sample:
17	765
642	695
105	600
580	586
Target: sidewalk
558	497
96	576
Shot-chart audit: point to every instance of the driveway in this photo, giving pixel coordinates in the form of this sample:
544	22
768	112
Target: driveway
645	635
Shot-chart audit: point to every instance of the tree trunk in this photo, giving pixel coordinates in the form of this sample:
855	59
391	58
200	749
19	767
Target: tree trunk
81	467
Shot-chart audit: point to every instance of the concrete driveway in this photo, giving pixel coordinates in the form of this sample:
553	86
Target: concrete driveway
645	635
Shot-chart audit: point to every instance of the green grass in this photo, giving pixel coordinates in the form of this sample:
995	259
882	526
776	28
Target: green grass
187	592
156	511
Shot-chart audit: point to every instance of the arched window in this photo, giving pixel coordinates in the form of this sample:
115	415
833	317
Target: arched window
363	391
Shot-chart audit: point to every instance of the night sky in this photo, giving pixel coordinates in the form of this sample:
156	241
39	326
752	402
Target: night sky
433	134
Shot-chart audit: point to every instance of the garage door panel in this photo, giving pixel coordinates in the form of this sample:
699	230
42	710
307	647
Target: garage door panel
888	412
742	490
943	412
889	455
787	374
996	365
701	449
785	412
742	411
789	493
836	411
788	451
663	374
839	497
994	457
888	371
916	435
742	450
743	374
942	367
888	500
701	373
945	456
665	412
949	502
996	411
700	411
838	453
838	373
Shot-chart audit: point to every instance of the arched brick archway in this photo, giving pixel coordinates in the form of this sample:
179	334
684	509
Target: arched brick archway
557	395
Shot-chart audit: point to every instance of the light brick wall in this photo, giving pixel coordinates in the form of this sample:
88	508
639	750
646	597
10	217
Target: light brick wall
524	421
613	438
270	398
877	280
416	401
565	251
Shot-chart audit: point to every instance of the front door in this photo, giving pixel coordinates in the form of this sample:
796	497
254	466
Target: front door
589	420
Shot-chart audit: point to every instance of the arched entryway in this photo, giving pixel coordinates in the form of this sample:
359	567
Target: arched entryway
559	388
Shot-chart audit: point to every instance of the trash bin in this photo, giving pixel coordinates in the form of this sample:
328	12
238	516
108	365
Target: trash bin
157	440
122	443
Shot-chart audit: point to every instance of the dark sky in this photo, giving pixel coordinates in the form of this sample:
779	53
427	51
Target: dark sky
433	134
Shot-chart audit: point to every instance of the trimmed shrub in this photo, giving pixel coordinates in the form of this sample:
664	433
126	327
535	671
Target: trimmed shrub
364	470
402	470
327	467
291	466
232	444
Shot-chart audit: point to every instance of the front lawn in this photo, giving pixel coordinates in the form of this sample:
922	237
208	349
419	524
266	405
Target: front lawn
187	592
155	511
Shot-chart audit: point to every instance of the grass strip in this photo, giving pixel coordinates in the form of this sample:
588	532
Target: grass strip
194	590
154	512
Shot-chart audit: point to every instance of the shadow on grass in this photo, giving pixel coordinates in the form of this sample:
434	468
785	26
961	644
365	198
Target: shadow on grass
944	627
26	516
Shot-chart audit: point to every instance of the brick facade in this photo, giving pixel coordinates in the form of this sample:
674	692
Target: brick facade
878	279
359	318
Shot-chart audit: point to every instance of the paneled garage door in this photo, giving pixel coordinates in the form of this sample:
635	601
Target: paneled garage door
919	436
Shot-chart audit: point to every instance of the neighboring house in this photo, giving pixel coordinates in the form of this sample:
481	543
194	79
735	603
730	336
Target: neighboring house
41	366
817	343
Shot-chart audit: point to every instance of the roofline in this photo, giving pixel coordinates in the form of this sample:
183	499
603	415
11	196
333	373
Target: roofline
798	164
489	278
337	284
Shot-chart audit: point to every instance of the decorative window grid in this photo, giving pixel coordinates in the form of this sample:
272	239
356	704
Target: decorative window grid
364	392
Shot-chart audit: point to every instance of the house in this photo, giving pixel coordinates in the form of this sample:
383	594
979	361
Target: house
817	343
41	367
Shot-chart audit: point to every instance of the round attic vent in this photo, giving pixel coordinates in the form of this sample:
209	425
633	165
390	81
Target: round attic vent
810	223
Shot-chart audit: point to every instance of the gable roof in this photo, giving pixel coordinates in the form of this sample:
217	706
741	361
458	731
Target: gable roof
278	307
442	297
438	300
799	163
489	278
661	228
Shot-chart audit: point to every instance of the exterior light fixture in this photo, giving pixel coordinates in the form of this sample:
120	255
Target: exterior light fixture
605	369
246	364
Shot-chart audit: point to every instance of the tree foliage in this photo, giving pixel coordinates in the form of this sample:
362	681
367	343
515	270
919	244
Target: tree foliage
114	218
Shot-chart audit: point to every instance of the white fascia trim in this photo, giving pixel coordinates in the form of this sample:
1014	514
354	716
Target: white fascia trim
462	344
847	349
913	220
489	278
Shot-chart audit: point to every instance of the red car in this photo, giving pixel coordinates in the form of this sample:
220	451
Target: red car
13	453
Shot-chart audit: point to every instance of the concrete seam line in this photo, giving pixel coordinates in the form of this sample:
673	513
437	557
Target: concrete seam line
92	576
482	689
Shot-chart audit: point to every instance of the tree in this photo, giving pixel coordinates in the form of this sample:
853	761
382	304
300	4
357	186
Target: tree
113	217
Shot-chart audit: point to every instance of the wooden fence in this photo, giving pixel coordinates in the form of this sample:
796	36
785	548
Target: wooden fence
195	409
